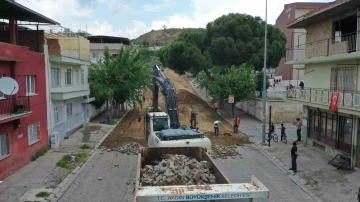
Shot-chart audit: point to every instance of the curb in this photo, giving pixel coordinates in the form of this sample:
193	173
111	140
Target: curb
59	191
297	179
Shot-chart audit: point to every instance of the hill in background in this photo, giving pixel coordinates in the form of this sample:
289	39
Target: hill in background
160	37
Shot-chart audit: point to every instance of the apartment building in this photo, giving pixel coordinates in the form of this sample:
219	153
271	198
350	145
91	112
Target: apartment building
331	104
293	73
68	88
23	118
98	43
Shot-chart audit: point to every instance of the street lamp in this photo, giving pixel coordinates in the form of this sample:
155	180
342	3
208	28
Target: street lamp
264	78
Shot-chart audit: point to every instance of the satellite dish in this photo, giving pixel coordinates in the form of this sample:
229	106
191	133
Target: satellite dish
8	86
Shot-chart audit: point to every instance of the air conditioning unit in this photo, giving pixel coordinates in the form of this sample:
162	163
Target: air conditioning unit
54	140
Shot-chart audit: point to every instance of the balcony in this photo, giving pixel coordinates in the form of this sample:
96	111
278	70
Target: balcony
14	108
69	92
347	99
326	50
69	47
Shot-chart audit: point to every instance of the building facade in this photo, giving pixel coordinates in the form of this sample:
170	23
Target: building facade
331	98
68	88
295	37
23	118
98	44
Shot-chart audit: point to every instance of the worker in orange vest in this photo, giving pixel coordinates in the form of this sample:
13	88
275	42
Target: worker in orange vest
216	105
236	124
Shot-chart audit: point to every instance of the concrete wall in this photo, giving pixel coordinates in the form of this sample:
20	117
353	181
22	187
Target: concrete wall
27	38
93	112
31	63
323	70
281	110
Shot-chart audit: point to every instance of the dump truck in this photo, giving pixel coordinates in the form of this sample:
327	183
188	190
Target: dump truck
222	191
163	129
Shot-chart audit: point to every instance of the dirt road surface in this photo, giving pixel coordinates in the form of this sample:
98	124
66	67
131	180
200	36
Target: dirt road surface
131	130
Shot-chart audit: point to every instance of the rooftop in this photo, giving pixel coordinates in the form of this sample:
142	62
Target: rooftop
328	10
22	13
108	39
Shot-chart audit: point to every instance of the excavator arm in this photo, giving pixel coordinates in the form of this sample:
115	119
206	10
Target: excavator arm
167	88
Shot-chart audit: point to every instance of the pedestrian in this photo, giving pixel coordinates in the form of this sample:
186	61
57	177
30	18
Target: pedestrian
236	124
294	155
282	131
301	84
298	131
216	105
217	124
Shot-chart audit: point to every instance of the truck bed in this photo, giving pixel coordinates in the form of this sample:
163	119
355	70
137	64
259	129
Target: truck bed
222	191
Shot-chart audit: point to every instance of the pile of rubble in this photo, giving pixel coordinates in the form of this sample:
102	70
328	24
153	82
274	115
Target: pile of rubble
130	148
176	170
218	151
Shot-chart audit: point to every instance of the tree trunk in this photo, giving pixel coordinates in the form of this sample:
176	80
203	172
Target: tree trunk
123	106
117	110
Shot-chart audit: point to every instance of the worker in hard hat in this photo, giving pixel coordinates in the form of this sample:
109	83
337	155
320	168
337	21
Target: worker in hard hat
217	124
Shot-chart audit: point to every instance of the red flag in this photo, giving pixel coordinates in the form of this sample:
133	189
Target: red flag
334	101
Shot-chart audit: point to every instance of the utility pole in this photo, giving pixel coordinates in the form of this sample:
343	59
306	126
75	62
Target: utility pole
264	79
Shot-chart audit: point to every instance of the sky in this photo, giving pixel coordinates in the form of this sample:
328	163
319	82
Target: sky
132	18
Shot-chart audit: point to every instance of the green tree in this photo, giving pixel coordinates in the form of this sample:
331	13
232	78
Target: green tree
260	79
120	79
238	81
232	39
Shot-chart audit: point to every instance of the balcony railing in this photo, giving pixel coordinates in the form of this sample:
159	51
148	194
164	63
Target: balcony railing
69	88
326	47
14	106
347	99
272	94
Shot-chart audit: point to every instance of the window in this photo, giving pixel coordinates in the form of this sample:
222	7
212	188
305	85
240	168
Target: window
69	109
34	133
4	145
343	78
30	85
82	76
159	124
1	94
93	55
115	55
58	114
55	77
68	77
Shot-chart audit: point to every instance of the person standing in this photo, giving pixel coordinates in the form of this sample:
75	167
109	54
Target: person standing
217	124
294	155
282	131
216	105
236	124
298	131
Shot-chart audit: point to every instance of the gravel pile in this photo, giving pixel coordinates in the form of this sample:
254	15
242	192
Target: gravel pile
130	148
223	152
176	170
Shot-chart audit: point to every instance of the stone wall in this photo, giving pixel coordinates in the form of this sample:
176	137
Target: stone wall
281	110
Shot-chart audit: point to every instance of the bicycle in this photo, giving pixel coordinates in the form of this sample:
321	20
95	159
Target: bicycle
272	136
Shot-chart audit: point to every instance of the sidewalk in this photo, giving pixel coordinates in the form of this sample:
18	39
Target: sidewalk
43	174
314	174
